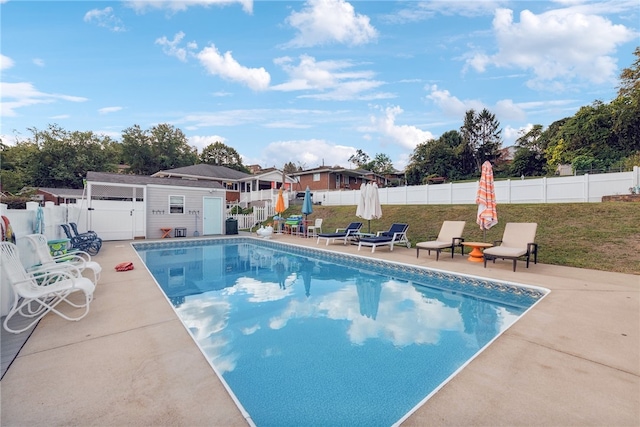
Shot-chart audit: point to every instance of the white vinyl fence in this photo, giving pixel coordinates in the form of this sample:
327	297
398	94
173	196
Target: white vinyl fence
566	189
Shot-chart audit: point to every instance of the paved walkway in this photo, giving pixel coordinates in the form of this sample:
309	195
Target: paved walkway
573	360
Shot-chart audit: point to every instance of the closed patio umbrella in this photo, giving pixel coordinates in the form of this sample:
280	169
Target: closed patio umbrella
369	208
486	200
361	201
280	203
307	206
279	208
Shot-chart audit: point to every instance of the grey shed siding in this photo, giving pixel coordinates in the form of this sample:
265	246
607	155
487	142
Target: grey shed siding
158	201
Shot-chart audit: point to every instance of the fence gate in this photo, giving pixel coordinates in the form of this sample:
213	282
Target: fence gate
117	211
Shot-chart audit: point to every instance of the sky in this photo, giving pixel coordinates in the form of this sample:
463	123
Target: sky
308	82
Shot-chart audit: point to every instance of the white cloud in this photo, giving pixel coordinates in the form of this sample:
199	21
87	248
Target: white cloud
201	141
309	153
108	110
182	5
336	80
323	22
405	136
19	95
5	62
105	18
172	47
423	10
559	46
510	134
451	105
228	68
506	109
39	62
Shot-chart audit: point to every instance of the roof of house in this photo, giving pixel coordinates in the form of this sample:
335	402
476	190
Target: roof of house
67	193
203	171
337	169
117	178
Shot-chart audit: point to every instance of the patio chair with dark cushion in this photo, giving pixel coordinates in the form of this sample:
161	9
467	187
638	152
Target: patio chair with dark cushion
517	241
341	233
396	235
450	237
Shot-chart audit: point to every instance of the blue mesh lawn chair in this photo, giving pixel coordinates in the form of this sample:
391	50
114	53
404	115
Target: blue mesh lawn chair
343	234
396	235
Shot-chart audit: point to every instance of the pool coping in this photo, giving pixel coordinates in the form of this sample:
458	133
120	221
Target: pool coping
575	355
536	292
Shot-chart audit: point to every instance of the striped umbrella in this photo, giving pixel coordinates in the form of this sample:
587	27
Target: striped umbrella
486	200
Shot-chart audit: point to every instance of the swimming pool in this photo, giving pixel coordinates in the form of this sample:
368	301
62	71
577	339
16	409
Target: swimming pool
313	337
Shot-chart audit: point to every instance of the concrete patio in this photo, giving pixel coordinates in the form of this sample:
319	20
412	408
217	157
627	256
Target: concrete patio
573	360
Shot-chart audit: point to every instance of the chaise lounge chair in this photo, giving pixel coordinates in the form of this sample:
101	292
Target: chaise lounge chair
396	235
88	242
450	237
79	259
517	241
37	293
341	233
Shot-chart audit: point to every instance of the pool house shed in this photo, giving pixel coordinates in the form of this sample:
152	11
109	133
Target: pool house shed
125	207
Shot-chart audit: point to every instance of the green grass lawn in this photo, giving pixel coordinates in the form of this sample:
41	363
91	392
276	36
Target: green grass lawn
600	236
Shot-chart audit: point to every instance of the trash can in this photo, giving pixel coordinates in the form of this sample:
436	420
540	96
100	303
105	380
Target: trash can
232	226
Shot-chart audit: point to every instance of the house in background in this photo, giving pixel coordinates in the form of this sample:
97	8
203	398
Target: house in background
125	207
335	178
59	196
234	182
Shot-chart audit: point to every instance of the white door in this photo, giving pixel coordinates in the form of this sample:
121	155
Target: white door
212	218
115	219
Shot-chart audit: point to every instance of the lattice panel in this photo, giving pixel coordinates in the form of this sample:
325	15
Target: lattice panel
115	192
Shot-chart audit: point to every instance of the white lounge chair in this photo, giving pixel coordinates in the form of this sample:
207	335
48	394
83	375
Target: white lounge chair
315	229
79	259
37	293
450	237
397	234
517	241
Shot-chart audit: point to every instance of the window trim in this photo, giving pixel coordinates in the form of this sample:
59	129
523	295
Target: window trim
175	204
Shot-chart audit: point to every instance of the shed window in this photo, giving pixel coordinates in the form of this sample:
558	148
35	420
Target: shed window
176	204
316	177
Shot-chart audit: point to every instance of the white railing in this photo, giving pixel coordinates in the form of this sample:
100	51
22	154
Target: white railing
259	215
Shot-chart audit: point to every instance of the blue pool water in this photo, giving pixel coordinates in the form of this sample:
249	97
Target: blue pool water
306	337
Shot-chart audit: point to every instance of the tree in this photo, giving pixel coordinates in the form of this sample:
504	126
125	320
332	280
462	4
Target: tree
222	155
626	121
481	134
529	158
160	148
359	159
63	158
290	168
435	157
381	164
630	78
16	167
